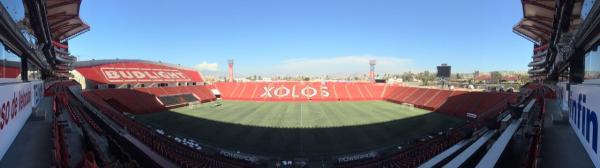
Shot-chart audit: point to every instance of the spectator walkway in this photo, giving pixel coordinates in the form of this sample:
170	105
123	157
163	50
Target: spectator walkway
560	146
32	147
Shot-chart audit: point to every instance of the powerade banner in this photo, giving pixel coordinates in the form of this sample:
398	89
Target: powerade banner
37	87
15	102
583	107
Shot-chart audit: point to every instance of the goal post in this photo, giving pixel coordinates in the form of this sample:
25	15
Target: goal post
191	105
409	106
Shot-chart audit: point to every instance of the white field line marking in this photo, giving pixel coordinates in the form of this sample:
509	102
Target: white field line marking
301	125
322	112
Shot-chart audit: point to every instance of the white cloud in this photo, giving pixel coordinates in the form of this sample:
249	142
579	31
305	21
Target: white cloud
205	66
342	65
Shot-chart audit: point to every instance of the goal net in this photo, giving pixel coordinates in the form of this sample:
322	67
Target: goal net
409	106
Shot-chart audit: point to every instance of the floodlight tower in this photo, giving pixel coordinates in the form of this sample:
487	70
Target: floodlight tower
372	72
230	62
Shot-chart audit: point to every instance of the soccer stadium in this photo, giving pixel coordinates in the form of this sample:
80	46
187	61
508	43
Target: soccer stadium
279	120
65	110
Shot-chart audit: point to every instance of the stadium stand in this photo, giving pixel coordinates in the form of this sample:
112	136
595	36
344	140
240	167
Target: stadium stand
177	152
415	154
65	115
95	73
141	87
115	93
153	99
300	91
148	100
451	102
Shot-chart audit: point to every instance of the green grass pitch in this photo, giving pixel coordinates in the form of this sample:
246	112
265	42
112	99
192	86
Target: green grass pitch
301	129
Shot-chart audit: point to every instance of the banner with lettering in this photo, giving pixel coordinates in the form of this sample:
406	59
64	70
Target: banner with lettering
583	116
16	104
37	88
143	75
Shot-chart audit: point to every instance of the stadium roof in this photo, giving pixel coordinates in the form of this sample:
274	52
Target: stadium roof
64	20
147	71
536	24
88	63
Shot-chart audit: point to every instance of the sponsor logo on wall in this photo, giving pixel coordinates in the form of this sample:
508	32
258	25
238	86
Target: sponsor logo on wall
15	102
583	116
240	156
357	157
38	92
143	75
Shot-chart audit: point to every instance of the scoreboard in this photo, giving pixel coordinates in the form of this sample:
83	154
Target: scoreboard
443	71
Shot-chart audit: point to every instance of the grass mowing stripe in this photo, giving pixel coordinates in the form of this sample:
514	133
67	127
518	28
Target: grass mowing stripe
371	133
275	128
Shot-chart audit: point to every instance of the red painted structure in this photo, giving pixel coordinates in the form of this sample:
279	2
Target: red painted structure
178	86
452	102
301	91
147	100
9	72
134	72
230	63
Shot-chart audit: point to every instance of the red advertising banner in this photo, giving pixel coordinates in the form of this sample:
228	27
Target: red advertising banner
143	75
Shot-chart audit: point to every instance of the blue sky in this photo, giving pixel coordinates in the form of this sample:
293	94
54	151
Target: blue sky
307	36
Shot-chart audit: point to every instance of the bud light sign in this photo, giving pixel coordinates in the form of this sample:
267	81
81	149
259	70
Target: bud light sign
583	116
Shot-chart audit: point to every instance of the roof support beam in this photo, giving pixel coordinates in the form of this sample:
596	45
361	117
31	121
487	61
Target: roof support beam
541	18
539	36
546	32
59	16
546	26
538	4
64	20
67	2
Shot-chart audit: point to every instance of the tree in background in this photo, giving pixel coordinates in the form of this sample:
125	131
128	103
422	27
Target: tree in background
496	76
407	76
426	77
523	78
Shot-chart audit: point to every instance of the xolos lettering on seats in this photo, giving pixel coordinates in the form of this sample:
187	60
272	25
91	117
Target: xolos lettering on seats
282	91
